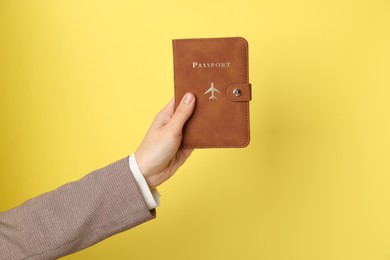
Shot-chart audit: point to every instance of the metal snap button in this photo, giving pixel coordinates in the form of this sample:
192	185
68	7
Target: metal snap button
237	92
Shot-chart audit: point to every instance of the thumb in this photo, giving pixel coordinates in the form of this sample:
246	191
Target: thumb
183	112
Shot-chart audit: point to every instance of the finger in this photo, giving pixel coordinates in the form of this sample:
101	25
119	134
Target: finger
165	114
183	112
182	156
187	152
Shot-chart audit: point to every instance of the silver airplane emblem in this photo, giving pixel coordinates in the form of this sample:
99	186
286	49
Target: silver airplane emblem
212	89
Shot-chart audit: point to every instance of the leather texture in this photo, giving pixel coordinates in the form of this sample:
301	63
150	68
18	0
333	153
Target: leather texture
216	71
75	216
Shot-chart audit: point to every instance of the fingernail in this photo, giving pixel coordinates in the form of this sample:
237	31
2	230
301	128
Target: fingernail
188	98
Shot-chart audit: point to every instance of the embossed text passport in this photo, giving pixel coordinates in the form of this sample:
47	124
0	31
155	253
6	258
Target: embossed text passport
216	71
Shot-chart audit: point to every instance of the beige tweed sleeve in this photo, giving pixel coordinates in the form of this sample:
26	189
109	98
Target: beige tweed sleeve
76	215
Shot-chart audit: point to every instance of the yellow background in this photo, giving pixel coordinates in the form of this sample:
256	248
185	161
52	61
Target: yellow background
80	82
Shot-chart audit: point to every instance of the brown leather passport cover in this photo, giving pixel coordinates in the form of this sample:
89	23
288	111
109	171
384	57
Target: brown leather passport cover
216	71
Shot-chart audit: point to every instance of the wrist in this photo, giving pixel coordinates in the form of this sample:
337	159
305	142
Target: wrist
150	195
141	164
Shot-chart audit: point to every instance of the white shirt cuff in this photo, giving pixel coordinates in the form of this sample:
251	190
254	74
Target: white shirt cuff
151	197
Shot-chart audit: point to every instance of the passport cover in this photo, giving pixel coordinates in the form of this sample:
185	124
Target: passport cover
215	70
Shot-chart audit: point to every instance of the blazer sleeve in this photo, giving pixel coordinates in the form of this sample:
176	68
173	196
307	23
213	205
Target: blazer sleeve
76	215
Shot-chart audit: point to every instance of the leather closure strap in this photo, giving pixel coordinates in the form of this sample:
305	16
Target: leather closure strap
240	92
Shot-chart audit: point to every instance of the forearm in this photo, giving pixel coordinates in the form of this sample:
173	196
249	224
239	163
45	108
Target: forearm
75	216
